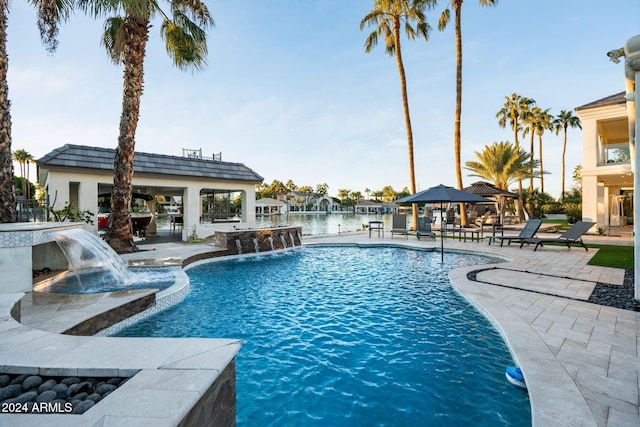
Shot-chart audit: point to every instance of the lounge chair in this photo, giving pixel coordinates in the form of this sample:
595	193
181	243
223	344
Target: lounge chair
424	228
569	237
399	225
530	229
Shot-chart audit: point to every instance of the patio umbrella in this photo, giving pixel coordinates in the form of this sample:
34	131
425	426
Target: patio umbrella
442	194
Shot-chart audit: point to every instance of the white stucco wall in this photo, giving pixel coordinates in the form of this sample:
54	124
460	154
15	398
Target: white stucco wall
57	182
595	192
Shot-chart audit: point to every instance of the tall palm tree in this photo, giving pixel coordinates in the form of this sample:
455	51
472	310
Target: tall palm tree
564	120
514	108
442	24
529	119
543	123
23	158
388	16
50	14
125	37
502	164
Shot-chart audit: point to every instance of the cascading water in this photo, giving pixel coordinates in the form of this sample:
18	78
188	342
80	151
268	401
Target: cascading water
86	252
271	243
284	242
95	267
293	242
256	245
239	246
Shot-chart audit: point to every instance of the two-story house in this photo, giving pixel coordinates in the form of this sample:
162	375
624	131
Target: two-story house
607	178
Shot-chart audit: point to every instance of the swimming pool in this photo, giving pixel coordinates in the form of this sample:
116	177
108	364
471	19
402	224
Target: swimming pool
345	335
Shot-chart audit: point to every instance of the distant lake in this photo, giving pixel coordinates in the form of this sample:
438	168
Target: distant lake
315	224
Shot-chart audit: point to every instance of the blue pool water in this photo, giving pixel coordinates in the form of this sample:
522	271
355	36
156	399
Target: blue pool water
93	281
350	336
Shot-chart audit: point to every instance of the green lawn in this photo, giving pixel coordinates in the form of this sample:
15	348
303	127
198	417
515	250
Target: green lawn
613	256
608	255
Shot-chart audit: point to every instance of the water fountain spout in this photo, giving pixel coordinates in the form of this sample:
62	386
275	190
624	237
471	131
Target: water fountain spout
271	243
239	246
256	245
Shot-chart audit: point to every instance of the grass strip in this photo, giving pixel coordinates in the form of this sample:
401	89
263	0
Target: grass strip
613	256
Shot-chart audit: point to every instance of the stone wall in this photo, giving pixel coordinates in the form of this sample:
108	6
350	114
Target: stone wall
217	406
257	241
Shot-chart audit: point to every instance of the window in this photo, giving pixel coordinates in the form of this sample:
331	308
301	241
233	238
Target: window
220	206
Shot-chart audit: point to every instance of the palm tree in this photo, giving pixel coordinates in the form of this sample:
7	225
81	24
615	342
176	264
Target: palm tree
563	121
514	108
50	14
530	119
24	159
442	24
388	16
343	194
125	38
502	164
543	123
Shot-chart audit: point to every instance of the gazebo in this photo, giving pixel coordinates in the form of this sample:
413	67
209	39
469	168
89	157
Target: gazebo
490	191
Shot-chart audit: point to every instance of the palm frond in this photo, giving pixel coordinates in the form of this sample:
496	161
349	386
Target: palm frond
445	17
113	38
185	42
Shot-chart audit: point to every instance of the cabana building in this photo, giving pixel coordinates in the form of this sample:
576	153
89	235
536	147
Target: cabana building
213	195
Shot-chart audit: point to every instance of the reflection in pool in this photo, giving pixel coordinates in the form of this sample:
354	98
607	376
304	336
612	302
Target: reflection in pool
350	336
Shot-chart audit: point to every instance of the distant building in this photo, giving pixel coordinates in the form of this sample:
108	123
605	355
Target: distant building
369	206
214	195
269	206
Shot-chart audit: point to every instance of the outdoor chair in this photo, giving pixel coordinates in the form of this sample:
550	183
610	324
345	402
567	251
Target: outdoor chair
424	228
529	231
399	225
569	237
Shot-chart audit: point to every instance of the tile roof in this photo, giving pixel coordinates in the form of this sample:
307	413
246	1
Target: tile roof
614	99
81	156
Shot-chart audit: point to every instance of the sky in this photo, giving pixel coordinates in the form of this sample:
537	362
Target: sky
290	92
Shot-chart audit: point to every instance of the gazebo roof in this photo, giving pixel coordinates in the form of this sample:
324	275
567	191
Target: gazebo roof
482	188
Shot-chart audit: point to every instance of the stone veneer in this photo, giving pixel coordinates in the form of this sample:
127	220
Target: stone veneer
163	300
258	240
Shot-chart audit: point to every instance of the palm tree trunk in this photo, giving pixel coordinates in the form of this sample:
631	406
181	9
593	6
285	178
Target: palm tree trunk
407	117
7	193
531	168
458	114
564	151
541	168
119	235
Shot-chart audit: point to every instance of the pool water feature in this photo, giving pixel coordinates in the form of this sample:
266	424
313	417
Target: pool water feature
346	335
96	281
85	251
